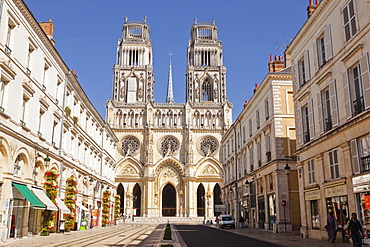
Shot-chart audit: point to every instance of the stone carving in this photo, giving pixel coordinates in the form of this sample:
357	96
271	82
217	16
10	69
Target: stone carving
168	174
130	145
208	146
209	170
128	170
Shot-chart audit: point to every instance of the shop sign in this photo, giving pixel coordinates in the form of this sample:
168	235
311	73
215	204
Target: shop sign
336	191
367	201
363	179
312	195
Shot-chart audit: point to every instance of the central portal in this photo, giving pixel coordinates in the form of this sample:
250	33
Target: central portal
169	201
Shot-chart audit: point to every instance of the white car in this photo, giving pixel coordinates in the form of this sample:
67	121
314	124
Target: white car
226	221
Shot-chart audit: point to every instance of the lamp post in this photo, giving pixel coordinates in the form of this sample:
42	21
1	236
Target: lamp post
287	172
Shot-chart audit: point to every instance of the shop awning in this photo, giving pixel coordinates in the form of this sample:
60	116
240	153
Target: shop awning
45	199
78	204
62	206
27	193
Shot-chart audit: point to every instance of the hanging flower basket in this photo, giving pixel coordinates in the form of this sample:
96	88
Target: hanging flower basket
51	187
105	210
117	203
70	202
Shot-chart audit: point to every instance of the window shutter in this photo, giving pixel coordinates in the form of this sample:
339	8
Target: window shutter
364	63
311	119
320	113
347	94
328	43
299	129
354	154
307	65
316	59
333	102
296	75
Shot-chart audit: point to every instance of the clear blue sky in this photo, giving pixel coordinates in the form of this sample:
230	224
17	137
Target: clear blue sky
87	31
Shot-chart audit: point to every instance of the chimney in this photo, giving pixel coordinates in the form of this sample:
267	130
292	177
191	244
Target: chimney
255	88
246	103
74	73
311	8
48	28
277	64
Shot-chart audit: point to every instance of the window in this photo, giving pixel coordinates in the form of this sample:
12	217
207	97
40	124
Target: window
55	124
251	159
360	151
250	127
307	122
31	49
207	90
315	214
3	84
8	42
356	82
267	113
40	120
349	20
311	171
258	119
268	148
303	70
24	108
328	108
259	156
333	164
323	48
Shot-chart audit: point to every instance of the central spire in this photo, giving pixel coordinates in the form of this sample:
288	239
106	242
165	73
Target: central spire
169	98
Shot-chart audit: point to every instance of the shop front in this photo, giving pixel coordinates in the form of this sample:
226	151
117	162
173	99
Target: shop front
337	202
361	188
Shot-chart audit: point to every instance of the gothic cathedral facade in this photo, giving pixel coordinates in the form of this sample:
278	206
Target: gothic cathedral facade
168	154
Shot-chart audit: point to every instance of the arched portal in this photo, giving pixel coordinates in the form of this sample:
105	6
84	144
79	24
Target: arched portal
169	201
136	200
121	193
200	200
216	199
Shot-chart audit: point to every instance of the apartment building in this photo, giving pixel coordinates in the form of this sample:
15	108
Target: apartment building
47	123
330	64
257	155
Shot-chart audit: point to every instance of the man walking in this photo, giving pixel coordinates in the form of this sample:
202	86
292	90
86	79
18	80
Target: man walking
355	230
332	227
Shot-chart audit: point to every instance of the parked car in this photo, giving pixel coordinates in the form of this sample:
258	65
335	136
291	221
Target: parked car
226	221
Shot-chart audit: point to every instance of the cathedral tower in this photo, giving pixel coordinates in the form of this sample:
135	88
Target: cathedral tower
133	71
205	73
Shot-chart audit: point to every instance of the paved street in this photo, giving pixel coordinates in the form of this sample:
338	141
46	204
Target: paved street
200	235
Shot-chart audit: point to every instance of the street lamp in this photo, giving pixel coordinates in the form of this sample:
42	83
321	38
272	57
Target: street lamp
287	169
47	161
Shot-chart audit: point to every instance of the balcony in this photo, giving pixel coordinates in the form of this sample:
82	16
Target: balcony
358	106
365	163
328	124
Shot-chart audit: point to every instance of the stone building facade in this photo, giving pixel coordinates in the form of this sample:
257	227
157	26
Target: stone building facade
46	123
258	152
330	61
168	153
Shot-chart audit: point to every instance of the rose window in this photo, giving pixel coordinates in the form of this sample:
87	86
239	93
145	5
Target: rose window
169	145
208	146
130	145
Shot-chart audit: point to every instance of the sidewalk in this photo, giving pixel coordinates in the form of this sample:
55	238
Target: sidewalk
286	240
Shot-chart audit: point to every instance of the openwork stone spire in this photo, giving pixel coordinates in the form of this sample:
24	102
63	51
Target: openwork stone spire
169	98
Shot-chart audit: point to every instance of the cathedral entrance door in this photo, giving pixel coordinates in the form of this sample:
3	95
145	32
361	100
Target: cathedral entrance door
169	201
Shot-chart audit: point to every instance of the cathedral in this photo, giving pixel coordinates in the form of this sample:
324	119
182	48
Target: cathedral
168	154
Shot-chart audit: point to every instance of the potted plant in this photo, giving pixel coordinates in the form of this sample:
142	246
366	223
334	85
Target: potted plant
68	111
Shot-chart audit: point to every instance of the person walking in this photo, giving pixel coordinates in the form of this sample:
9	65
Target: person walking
355	230
241	221
332	227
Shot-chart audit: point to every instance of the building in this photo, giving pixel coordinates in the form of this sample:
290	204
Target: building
330	61
47	123
257	153
168	153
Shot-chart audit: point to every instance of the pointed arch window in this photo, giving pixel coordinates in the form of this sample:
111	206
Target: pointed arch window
207	90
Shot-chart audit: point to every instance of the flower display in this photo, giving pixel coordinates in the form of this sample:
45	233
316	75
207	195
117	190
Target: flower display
117	203
70	202
106	206
51	187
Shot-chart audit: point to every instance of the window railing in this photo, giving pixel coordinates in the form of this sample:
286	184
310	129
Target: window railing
306	136
328	124
358	105
8	51
365	163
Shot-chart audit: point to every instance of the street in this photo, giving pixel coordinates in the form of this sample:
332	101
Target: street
200	235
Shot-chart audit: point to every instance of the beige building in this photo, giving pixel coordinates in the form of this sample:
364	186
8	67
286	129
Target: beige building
39	95
258	154
168	153
330	61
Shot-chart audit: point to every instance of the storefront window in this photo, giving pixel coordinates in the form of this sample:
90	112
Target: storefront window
272	211
339	206
315	214
365	215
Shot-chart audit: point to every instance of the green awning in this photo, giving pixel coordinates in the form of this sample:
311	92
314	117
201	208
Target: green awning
29	195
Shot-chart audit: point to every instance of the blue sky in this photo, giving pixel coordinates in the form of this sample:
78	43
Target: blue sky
87	31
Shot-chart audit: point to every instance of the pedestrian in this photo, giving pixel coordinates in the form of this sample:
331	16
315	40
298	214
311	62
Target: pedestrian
332	226
355	230
216	220
241	221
